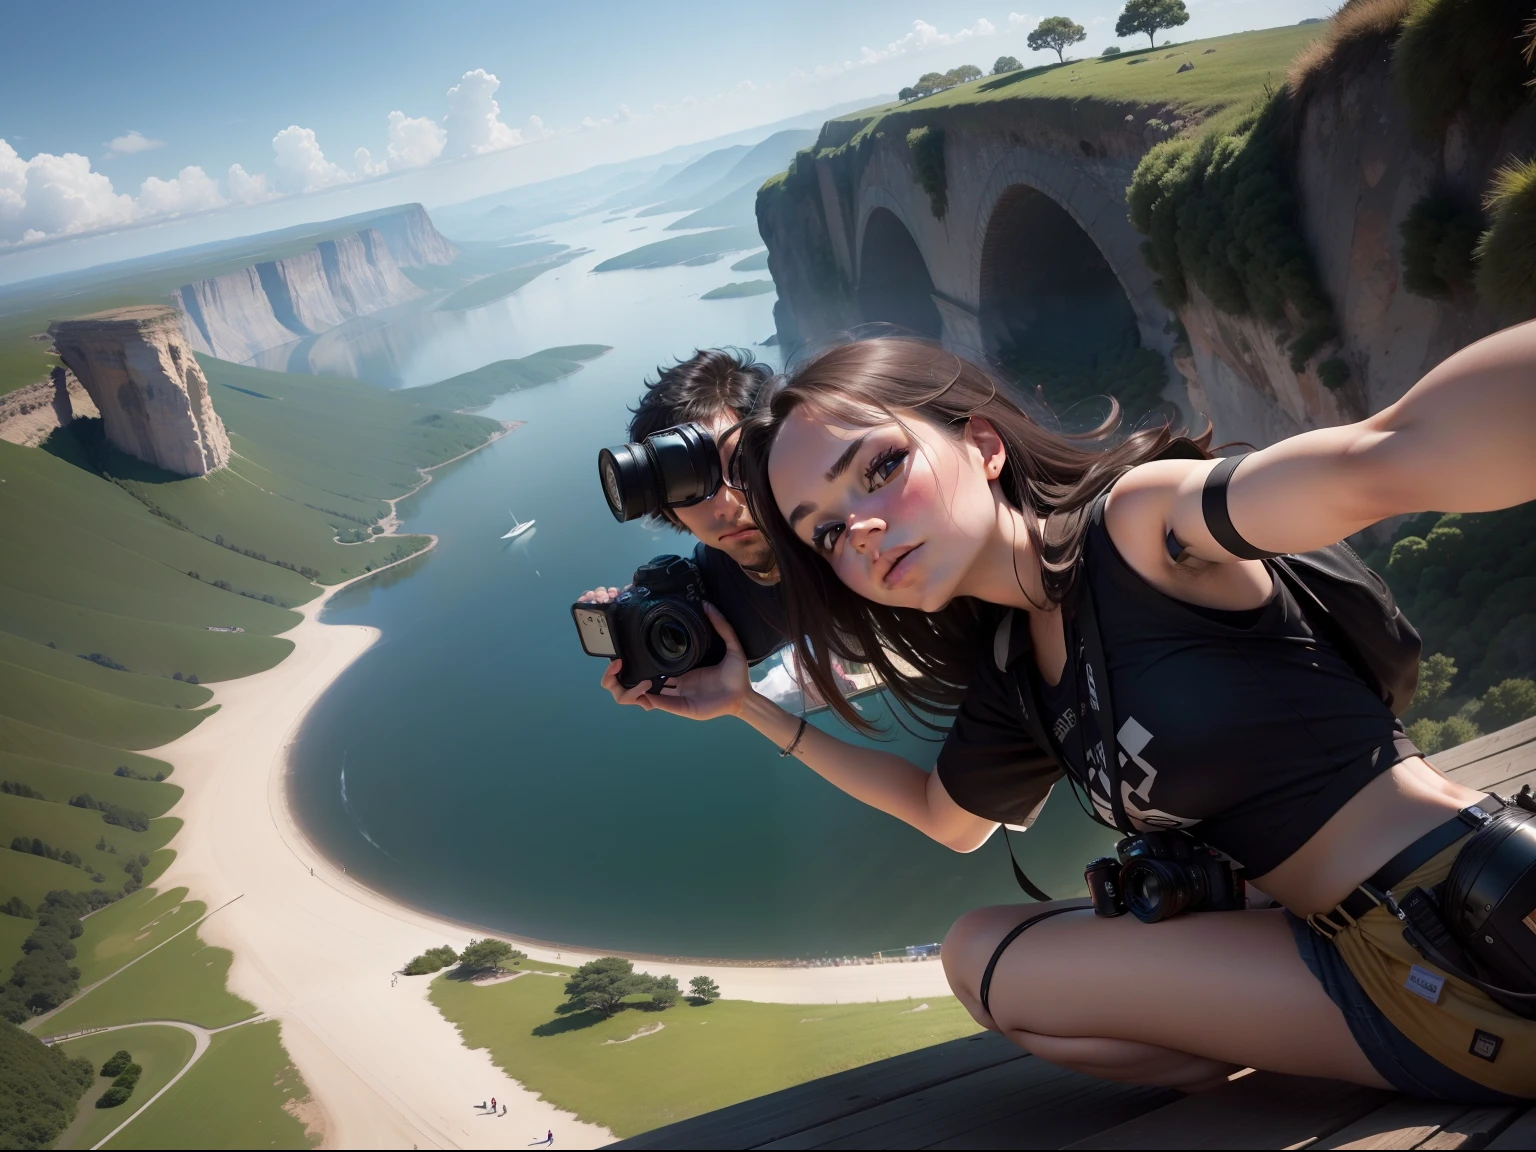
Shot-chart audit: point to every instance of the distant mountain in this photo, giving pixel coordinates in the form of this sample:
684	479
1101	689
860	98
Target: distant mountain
753	167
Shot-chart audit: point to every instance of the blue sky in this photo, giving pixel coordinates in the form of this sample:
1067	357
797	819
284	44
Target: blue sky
115	115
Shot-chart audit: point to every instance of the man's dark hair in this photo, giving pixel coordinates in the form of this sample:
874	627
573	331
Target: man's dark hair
708	383
711	381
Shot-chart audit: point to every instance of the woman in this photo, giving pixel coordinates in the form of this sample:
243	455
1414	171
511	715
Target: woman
917	511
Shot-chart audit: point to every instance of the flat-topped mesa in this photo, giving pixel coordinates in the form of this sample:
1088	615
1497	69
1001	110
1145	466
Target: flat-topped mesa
152	395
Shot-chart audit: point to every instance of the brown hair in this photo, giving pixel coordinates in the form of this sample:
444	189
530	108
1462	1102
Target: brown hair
1051	475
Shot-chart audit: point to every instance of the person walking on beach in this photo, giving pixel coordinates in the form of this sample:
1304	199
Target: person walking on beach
493	1105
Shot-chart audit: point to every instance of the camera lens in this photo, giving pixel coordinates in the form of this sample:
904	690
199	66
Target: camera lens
675	638
1158	889
629	484
1103	879
673	468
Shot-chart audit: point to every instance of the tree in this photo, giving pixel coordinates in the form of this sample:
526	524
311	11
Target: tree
929	83
907	94
664	990
601	985
1058	33
703	988
1151	17
1435	676
489	955
1507	703
1006	64
963	74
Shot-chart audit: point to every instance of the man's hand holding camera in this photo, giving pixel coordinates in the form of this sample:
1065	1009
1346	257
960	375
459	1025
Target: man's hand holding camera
702	694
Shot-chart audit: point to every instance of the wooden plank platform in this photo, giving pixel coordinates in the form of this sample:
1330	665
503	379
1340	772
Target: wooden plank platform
982	1092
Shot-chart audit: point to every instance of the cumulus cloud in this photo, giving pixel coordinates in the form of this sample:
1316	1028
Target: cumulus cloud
923	37
245	188
364	164
190	190
414	142
301	165
133	141
1020	20
474	125
55	195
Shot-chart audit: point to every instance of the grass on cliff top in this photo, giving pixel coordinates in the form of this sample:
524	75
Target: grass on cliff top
1233	75
702	1058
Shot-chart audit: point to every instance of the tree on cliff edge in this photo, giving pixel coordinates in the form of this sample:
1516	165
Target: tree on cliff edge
1151	17
1057	34
1006	64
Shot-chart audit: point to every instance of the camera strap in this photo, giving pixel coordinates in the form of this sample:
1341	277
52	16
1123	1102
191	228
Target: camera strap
1097	716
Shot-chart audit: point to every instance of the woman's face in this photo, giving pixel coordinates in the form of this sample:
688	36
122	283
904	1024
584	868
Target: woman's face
902	512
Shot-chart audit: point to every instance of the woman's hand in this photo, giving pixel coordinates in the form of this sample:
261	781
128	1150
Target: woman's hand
703	694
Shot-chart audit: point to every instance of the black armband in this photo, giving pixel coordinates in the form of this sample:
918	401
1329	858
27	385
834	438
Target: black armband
1213	503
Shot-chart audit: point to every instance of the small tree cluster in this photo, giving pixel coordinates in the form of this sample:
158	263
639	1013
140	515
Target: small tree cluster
432	960
125	1075
1006	64
606	985
930	82
129	818
489	955
703	990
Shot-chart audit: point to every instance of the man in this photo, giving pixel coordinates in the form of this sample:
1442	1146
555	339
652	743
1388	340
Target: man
716	388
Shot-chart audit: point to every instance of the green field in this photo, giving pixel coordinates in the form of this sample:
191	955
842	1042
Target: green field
243	1093
703	1058
184	980
479	387
161	1052
696	247
123	931
738	289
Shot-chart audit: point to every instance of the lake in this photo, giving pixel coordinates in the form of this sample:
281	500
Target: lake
471	765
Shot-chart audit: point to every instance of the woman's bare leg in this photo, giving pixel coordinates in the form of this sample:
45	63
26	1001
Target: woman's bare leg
1181	1004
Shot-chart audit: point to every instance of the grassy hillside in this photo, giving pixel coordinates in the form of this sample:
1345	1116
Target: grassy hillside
696	247
124	590
1228	71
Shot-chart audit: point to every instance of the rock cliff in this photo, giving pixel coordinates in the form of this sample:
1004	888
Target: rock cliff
141	375
856	234
270	303
28	416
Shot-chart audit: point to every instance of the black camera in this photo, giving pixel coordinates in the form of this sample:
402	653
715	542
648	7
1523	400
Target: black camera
657	625
1161	874
672	468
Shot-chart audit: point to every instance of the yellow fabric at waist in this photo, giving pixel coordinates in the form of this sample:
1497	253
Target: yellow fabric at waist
1375	951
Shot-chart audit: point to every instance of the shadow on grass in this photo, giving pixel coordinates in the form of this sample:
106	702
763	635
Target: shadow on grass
575	1019
1008	78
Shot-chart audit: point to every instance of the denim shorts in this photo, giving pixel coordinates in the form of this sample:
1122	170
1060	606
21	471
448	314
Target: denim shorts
1398	1060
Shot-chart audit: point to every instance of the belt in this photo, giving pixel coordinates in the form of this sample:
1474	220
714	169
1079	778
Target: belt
1372	893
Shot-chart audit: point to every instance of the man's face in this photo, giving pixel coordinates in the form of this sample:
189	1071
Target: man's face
723	520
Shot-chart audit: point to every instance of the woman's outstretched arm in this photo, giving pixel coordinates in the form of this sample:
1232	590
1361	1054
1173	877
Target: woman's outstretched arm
1463	439
880	779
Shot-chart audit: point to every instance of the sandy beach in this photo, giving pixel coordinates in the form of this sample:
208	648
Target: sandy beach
316	950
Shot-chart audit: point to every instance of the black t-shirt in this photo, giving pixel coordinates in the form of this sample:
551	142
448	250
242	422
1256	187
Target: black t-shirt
754	610
1249	729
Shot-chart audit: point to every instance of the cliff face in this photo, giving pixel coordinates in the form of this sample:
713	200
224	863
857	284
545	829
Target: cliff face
987	261
28	416
143	378
265	305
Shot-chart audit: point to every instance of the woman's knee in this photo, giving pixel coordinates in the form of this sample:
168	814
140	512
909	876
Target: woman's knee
969	945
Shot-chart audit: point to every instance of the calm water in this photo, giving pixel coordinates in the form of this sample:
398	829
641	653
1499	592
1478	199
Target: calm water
470	764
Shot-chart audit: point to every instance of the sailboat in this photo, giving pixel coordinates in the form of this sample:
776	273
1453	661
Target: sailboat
518	526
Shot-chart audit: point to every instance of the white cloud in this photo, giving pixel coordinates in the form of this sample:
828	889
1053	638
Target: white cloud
1020	20
133	141
924	37
414	141
364	164
245	188
474	125
190	190
301	165
55	195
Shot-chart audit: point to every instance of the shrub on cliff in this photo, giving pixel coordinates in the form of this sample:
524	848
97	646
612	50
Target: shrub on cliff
1506	703
1506	254
1218	210
1439	238
1461	56
927	147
